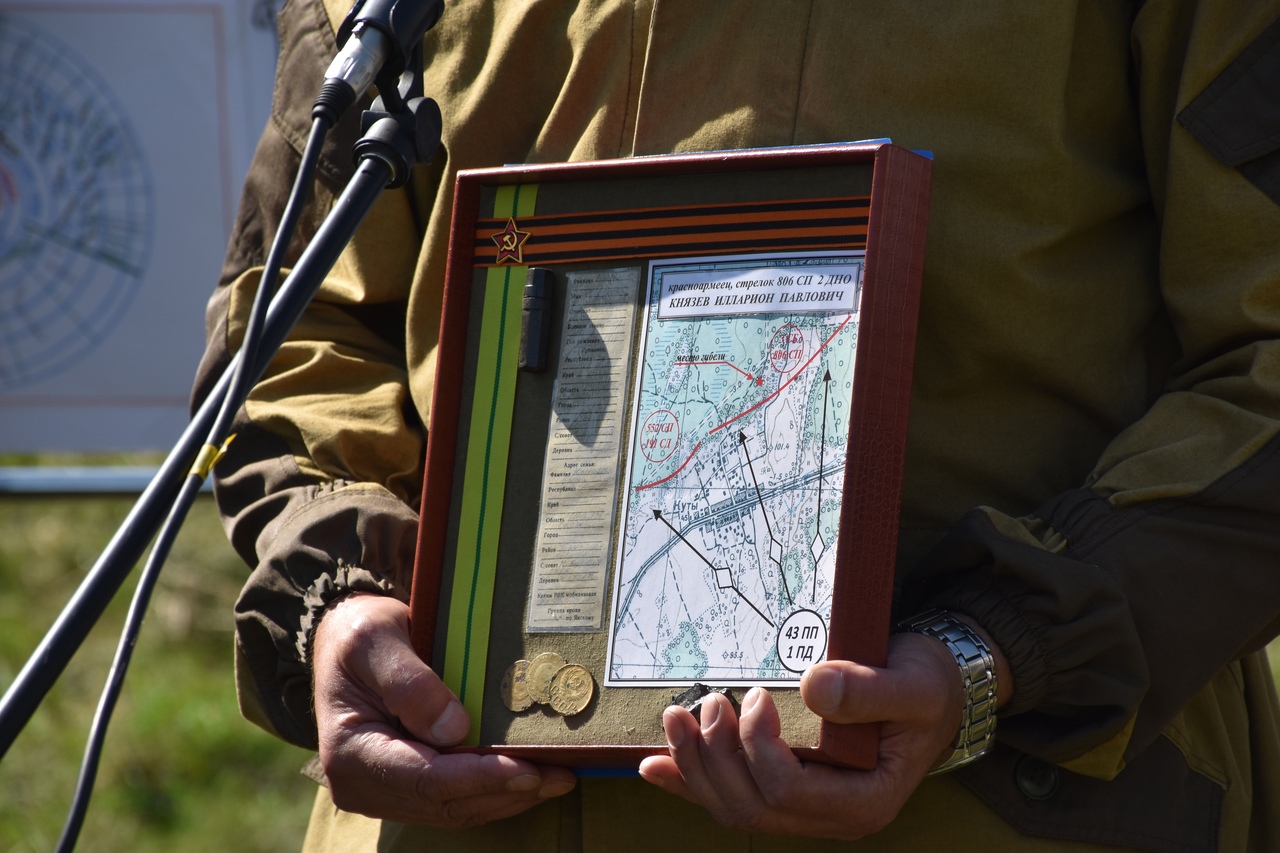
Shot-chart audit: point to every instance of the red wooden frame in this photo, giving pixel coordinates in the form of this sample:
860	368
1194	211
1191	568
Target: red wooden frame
877	442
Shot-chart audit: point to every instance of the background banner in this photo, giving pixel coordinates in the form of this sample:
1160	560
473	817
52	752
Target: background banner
126	130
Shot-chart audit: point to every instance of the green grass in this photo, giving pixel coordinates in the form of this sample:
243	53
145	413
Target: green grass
181	769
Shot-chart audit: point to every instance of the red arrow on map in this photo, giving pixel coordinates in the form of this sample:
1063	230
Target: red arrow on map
750	378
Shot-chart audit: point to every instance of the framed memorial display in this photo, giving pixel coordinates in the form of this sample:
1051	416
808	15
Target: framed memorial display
666	440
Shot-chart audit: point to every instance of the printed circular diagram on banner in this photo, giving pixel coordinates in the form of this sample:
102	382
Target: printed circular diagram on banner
76	207
735	470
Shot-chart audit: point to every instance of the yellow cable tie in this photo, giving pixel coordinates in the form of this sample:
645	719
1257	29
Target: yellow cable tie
208	457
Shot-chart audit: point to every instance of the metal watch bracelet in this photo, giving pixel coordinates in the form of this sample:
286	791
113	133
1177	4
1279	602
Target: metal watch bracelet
978	673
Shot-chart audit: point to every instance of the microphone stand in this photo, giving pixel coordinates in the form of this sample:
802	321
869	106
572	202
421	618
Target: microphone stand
393	141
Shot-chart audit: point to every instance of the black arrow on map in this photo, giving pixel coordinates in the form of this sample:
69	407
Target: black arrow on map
742	442
657	514
822	459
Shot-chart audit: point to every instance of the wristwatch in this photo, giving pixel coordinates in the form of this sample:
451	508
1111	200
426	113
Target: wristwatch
978	673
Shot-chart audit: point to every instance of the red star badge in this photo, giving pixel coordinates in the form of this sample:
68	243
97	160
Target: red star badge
510	242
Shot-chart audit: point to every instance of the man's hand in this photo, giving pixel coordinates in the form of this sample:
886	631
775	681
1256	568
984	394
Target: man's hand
748	778
382	713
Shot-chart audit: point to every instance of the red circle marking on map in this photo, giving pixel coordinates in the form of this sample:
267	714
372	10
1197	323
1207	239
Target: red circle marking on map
786	350
660	435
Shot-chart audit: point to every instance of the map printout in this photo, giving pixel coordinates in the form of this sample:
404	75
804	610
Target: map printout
735	469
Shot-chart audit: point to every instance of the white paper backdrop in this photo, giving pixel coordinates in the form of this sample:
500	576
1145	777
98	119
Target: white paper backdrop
125	133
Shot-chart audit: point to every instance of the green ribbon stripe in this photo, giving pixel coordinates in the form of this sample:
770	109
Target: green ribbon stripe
485	476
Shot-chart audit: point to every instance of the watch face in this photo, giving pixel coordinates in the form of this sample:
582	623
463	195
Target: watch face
76	207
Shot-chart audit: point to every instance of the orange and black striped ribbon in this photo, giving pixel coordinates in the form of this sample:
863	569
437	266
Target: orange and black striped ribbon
761	226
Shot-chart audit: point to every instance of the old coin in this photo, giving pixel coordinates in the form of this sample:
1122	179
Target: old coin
514	688
538	679
571	689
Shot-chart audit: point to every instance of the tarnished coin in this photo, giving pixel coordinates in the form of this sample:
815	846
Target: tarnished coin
514	688
538	679
571	689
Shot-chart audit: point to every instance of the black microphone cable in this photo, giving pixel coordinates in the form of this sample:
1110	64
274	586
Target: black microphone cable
380	40
219	437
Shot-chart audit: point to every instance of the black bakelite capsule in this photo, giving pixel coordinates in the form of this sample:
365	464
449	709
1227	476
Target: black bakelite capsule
535	320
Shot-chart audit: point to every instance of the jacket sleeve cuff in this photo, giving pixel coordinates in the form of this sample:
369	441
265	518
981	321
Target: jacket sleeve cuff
351	539
1064	626
330	587
1017	634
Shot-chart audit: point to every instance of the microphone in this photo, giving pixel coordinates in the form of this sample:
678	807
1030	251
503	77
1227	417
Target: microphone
377	41
359	60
